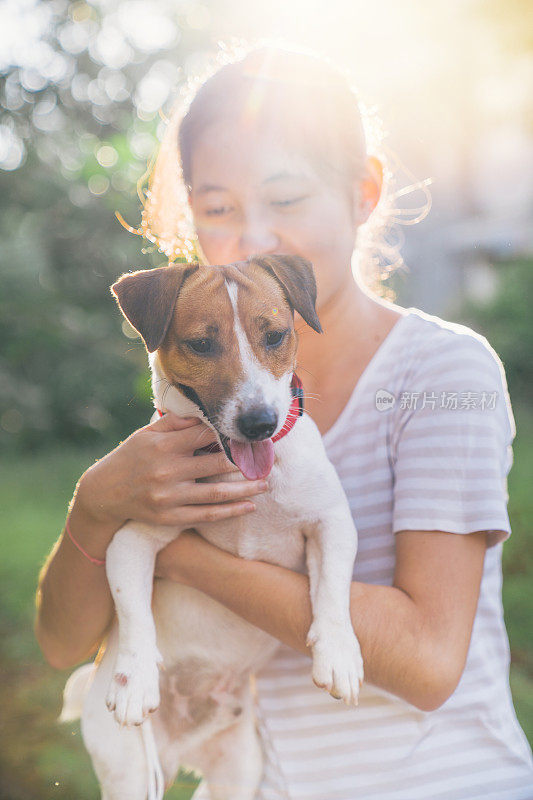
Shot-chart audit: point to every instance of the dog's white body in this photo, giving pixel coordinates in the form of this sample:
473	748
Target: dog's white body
204	717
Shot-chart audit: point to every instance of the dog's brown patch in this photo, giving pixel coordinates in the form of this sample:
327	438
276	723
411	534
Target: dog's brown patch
204	311
189	697
175	306
147	299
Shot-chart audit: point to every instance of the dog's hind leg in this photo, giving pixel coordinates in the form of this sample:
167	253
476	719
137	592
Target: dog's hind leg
231	761
118	756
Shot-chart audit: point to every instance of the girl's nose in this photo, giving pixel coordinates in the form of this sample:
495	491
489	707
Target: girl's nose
257	238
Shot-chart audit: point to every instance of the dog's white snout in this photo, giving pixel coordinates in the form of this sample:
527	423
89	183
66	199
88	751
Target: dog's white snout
258	423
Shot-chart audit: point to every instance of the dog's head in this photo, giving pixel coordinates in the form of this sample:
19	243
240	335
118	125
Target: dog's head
225	338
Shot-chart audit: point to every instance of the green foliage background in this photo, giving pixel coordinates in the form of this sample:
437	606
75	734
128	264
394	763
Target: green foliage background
66	368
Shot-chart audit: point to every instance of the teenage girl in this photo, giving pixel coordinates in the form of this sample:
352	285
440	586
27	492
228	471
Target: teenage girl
273	160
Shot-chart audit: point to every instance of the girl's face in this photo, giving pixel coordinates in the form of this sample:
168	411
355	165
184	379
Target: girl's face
250	196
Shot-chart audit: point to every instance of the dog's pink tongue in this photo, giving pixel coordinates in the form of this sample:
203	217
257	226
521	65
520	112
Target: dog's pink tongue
254	459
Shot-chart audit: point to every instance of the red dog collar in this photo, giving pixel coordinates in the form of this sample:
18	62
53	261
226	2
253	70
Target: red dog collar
296	410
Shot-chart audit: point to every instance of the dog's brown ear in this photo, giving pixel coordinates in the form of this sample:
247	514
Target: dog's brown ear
147	299
296	276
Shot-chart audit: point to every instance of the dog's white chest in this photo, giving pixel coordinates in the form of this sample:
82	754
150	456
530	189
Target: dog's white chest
302	485
274	532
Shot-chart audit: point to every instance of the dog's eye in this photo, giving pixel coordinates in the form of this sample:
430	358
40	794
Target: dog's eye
274	338
200	345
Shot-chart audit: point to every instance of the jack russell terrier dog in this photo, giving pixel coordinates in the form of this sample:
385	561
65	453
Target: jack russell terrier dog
222	347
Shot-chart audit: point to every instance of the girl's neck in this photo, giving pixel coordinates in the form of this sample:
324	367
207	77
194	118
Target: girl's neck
354	324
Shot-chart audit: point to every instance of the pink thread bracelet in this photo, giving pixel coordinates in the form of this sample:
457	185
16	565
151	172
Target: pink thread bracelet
98	561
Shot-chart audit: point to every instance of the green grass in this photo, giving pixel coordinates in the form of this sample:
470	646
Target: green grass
39	758
42	759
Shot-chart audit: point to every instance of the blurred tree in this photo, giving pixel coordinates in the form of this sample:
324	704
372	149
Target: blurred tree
80	93
506	322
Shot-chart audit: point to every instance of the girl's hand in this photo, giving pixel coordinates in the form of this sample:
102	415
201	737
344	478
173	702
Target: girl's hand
151	477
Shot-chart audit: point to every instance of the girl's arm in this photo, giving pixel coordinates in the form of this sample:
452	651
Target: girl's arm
150	477
414	635
74	604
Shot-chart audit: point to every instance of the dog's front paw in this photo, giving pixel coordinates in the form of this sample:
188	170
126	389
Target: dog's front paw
134	689
337	662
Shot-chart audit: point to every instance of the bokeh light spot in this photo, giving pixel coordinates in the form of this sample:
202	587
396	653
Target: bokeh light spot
129	331
107	156
80	12
12	150
98	184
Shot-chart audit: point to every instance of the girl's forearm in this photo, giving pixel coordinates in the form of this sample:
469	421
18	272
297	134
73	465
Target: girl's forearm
74	604
388	624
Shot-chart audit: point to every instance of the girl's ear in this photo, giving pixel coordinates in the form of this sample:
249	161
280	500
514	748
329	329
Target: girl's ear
368	190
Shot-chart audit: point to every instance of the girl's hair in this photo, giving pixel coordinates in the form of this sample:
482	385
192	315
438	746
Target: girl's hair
309	105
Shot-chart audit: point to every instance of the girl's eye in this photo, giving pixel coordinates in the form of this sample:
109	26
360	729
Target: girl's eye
217	212
288	202
200	345
274	338
221	210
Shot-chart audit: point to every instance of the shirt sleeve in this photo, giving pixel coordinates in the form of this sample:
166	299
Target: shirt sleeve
451	445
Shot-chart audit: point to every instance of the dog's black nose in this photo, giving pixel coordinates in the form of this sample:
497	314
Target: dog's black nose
259	423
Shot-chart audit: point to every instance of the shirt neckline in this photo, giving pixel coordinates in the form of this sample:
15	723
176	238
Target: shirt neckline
378	356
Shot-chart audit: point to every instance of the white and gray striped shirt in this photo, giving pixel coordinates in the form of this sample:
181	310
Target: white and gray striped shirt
424	443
